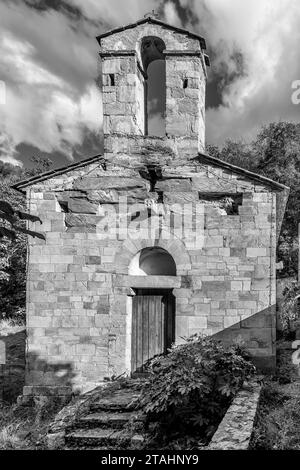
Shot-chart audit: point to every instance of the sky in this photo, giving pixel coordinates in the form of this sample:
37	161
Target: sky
50	104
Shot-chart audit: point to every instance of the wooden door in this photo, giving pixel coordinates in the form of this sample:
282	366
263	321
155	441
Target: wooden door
153	325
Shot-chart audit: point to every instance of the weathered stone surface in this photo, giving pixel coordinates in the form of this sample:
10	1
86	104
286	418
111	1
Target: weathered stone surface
174	185
234	432
2	352
109	182
82	206
180	197
103	196
81	220
12	363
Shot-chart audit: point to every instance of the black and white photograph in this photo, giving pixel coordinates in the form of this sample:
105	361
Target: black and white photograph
149	229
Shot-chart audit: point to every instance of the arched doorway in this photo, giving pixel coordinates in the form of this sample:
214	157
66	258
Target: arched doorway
153	309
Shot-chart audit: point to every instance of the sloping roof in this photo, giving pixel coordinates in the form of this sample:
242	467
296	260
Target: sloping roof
241	171
153	21
21	185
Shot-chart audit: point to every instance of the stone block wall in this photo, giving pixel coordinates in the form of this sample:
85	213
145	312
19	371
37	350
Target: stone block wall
185	98
12	363
123	83
122	95
130	39
79	290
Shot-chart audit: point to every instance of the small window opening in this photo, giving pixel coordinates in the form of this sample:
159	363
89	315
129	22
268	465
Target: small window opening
112	79
185	83
228	203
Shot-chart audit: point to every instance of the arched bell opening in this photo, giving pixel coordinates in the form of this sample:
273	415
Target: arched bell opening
154	68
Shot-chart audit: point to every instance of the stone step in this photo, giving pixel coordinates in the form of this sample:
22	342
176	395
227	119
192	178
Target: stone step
139	375
107	419
121	401
99	437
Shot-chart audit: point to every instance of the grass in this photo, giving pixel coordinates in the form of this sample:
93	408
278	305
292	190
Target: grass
277	424
24	428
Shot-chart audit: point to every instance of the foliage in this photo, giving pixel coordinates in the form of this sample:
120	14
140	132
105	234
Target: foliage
277	425
285	369
190	389
289	311
274	153
14	217
40	165
13	249
13	258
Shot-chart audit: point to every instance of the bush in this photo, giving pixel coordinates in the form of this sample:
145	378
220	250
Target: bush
189	390
289	312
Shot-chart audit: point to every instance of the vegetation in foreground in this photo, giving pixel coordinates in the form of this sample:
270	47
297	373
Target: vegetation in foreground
189	390
278	418
24	428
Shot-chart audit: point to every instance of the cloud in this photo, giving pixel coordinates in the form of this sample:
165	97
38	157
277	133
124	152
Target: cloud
49	70
7	150
115	12
171	15
48	61
265	34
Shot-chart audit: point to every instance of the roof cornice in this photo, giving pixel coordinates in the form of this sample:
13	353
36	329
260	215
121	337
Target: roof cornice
20	185
153	21
202	157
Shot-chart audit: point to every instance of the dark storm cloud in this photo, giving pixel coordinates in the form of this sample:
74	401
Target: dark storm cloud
48	60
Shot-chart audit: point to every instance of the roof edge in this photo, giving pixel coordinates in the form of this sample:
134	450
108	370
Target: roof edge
242	171
154	21
56	171
20	185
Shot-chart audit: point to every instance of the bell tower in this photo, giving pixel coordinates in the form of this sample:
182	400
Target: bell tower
126	53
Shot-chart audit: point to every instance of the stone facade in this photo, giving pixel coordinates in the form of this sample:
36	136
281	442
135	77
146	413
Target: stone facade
124	102
79	290
12	363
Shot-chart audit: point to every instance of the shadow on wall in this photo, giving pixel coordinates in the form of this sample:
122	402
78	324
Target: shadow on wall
258	333
13	369
42	373
12	365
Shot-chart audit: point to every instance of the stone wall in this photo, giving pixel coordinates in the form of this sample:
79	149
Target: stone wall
235	430
122	96
12	364
185	98
79	290
123	83
130	39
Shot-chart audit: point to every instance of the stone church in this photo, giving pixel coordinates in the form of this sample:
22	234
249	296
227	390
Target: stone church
152	241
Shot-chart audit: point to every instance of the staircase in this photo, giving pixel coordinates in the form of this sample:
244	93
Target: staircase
112	422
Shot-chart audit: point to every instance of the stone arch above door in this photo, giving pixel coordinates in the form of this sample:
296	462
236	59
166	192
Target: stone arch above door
174	247
152	261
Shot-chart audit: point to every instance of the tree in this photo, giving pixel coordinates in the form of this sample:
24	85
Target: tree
13	243
14	217
41	165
